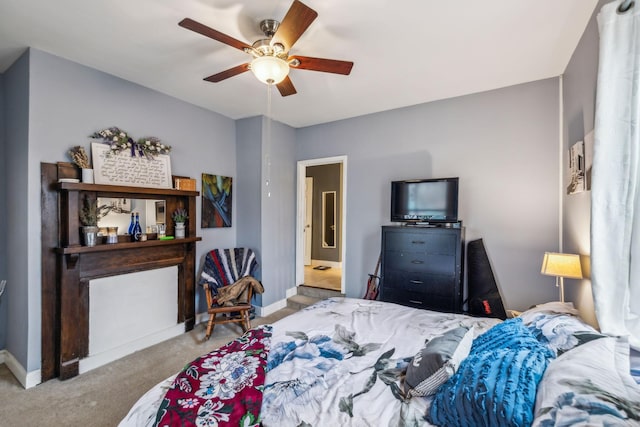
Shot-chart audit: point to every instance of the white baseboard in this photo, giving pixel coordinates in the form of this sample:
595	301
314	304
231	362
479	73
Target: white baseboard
27	379
94	361
271	308
201	317
292	291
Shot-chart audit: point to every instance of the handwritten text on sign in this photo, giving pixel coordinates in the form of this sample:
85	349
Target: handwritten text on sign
122	169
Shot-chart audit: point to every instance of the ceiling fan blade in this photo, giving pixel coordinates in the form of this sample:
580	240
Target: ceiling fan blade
295	22
228	73
192	25
286	87
320	64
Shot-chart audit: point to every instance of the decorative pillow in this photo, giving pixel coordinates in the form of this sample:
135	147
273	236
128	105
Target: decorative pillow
437	361
496	384
590	385
560	332
553	307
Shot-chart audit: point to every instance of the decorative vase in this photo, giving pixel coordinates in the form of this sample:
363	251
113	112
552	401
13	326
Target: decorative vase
90	234
112	236
179	230
87	176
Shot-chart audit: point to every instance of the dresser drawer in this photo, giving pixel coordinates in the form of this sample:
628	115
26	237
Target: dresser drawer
435	242
420	300
440	284
420	262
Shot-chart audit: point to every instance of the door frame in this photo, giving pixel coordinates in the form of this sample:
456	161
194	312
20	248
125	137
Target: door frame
308	219
300	214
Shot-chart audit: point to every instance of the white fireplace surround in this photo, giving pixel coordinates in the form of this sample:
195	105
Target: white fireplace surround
130	312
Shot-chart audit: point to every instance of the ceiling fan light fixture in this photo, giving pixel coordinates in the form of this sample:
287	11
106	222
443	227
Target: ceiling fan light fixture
270	69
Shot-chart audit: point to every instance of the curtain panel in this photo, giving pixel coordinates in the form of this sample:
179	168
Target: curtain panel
615	198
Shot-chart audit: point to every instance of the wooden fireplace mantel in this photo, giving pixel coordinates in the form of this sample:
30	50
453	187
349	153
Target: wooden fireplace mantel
67	266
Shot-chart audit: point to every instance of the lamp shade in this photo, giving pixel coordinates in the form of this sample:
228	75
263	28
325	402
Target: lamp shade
561	265
270	69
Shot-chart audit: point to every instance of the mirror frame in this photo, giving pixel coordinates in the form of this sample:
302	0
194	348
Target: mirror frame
329	219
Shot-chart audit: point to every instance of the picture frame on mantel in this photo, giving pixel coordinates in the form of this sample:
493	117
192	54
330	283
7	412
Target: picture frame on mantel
124	169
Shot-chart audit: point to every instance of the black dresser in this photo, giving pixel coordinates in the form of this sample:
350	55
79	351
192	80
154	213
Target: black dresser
423	266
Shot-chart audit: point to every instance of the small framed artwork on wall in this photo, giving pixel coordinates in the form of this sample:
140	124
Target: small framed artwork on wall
216	201
577	169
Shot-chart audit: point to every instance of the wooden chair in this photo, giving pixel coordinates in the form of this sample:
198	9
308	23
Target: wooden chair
238	313
224	267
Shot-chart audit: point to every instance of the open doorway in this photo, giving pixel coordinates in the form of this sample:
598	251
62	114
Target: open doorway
320	231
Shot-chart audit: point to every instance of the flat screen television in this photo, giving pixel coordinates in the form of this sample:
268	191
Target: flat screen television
425	200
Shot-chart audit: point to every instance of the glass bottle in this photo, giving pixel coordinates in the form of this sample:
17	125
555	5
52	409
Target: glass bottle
137	229
132	224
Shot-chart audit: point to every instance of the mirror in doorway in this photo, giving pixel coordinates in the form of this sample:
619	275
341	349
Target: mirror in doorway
328	219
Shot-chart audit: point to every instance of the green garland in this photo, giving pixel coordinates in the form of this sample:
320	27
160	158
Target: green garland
119	141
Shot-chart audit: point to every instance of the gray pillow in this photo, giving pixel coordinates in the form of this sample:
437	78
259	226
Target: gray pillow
437	361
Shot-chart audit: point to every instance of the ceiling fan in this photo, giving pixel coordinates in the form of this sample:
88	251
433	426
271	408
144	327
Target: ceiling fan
271	61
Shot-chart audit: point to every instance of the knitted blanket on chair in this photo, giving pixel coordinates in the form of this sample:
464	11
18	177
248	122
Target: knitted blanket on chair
224	267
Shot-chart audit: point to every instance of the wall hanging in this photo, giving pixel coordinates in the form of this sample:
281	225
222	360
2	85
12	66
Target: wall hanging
216	201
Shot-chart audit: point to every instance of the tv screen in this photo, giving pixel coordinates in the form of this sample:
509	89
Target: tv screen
424	200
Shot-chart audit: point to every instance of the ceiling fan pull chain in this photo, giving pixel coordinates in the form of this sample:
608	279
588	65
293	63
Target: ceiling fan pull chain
267	157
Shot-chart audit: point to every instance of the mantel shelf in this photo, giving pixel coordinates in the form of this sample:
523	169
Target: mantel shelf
123	189
127	245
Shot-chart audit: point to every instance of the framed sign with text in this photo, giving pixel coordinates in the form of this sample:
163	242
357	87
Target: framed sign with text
123	169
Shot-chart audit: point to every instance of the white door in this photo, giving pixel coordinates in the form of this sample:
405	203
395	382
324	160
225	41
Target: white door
308	219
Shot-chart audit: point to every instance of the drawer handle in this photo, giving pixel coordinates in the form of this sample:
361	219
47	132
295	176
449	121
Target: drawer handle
418	242
416	282
415	302
417	261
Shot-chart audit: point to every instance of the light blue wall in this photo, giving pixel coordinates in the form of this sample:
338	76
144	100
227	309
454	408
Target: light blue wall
19	217
579	97
3	215
278	216
267	214
247	193
503	145
68	102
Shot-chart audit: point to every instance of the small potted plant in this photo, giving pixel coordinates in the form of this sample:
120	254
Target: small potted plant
89	220
180	216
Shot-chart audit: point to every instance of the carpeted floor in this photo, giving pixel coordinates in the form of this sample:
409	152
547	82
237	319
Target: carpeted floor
103	396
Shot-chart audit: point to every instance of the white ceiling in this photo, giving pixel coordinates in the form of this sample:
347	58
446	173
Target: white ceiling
404	52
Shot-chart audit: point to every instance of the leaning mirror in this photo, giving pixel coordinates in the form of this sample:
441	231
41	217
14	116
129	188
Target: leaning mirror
116	212
328	219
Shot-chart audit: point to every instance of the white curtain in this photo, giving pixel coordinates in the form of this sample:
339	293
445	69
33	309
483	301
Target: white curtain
615	198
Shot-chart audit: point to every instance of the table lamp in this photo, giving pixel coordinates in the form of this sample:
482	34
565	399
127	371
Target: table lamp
561	266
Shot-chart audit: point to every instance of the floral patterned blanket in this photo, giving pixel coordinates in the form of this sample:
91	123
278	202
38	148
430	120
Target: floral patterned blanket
223	387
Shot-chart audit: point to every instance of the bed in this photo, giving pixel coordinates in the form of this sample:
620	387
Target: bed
353	362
